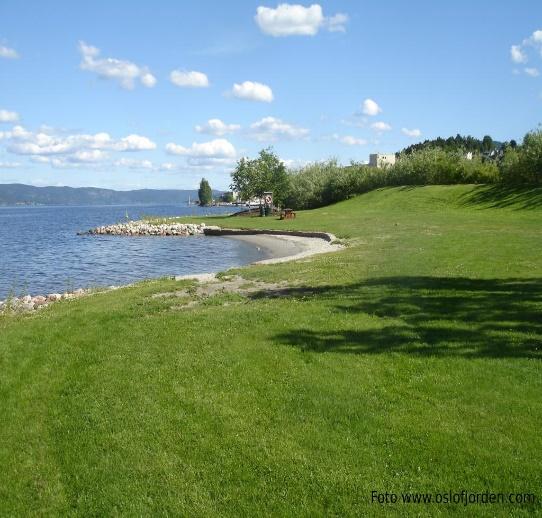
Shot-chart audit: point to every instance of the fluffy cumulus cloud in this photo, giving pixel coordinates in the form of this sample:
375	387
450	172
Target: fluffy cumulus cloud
370	108
8	116
8	52
517	55
217	127
522	53
134	143
215	149
297	20
412	133
252	91
271	129
65	150
190	79
125	72
380	126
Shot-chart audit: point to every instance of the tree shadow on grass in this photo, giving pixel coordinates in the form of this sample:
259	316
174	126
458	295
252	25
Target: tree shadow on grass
501	196
493	318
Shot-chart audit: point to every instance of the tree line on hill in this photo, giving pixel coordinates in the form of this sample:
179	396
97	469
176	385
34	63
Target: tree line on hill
461	143
457	160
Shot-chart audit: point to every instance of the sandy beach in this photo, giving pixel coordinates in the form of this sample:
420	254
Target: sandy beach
280	249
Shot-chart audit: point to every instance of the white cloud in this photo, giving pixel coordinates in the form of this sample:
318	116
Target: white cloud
134	143
135	164
217	127
89	155
252	91
270	129
8	53
297	20
61	150
10	165
7	116
191	79
147	165
381	126
352	141
533	72
294	163
517	54
413	133
148	80
370	107
217	148
348	140
337	23
125	72
520	53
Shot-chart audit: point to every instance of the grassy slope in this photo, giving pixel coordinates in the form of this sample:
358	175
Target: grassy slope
413	365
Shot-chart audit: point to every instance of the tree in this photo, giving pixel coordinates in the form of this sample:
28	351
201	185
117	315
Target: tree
227	197
487	144
252	178
205	193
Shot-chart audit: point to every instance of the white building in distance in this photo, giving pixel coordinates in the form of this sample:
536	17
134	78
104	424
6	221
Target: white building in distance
381	159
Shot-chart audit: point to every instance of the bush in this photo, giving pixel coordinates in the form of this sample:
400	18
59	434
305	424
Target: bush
438	167
322	183
523	165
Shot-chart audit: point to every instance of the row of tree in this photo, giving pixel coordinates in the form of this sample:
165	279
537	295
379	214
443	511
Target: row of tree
442	161
461	143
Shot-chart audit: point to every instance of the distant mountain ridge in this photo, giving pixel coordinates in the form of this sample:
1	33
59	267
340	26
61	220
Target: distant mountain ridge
21	194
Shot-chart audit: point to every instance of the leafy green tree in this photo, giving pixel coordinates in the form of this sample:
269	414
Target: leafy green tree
227	197
205	193
487	143
251	178
523	165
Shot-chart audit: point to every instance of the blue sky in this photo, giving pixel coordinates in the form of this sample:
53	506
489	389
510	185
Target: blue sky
120	94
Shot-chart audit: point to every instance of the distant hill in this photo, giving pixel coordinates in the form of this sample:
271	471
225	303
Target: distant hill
20	194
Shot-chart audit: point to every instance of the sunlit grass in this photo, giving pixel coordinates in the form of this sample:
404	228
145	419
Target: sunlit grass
410	361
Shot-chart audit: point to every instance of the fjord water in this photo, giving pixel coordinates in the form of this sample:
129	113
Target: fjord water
40	251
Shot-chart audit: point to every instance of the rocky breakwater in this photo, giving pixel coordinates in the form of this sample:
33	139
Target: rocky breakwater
31	303
142	228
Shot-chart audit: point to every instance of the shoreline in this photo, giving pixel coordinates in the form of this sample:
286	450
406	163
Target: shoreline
285	248
278	247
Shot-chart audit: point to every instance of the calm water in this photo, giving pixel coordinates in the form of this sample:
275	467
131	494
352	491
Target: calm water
40	251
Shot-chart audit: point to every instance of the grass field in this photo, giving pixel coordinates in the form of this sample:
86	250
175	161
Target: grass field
408	362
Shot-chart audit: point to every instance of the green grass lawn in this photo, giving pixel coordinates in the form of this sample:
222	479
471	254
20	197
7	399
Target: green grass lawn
408	362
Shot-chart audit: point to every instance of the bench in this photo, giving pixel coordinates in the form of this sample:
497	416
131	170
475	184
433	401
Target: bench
287	214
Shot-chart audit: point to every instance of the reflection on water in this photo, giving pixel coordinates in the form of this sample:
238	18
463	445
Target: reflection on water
40	251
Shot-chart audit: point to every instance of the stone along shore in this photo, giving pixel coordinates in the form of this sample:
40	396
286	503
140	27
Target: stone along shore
30	303
129	228
141	228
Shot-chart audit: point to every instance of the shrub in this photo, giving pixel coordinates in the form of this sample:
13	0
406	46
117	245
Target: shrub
523	165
